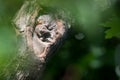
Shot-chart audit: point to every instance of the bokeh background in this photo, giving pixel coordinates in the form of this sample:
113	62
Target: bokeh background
92	49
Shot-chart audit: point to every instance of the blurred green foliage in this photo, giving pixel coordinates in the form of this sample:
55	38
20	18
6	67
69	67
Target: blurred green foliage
88	58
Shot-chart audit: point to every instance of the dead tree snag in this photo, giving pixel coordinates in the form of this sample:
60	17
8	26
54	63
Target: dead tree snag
40	35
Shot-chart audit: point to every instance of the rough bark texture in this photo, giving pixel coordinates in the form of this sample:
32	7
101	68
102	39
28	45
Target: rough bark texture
38	39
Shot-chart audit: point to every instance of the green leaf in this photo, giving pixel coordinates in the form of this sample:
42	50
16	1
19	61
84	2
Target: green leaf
114	25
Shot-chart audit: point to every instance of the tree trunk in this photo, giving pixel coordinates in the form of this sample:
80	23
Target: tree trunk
39	36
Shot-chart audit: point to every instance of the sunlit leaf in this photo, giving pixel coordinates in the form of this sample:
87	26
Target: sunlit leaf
114	25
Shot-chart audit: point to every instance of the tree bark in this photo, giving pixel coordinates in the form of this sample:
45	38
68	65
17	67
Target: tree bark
39	36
